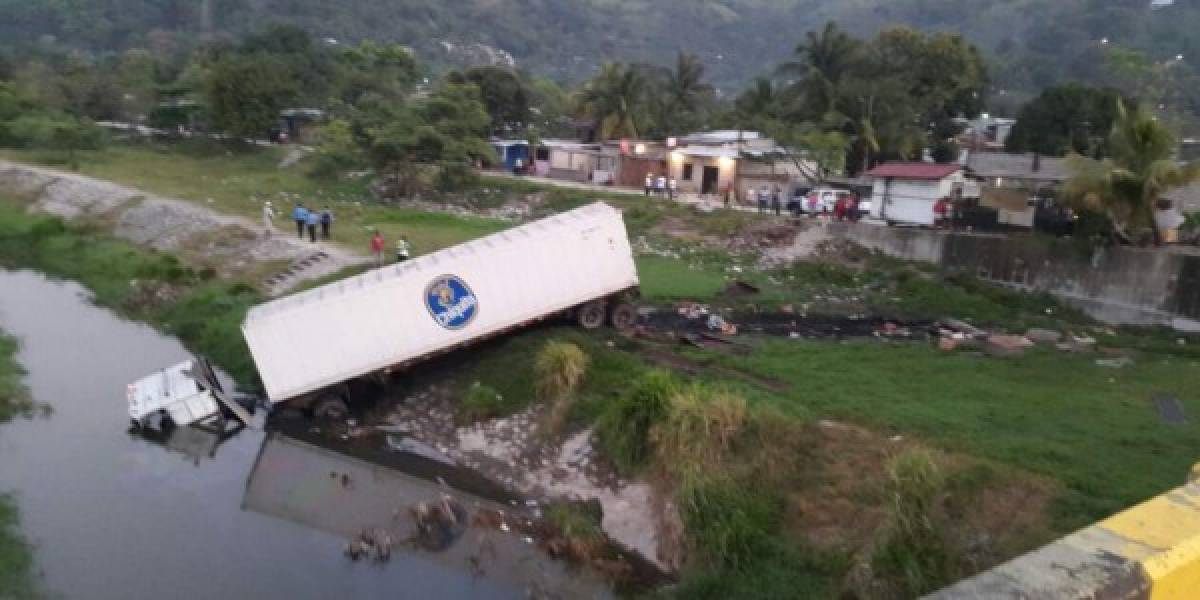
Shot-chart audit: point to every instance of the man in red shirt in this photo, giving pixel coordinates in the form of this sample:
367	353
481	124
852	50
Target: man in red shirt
377	246
939	212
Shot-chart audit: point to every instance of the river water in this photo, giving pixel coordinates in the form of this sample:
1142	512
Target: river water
112	515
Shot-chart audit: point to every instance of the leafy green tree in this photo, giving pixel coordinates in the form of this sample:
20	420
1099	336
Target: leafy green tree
615	101
1128	186
337	150
371	72
245	93
446	131
505	95
817	152
1065	118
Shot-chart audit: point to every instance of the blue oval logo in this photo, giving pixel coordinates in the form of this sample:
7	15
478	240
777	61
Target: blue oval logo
452	304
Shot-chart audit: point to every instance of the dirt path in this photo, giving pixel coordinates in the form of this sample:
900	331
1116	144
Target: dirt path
230	245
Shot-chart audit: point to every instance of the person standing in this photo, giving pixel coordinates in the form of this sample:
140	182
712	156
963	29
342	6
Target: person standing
314	219
839	208
939	213
300	216
777	201
660	185
672	188
852	209
377	246
764	199
726	194
649	183
326	222
403	249
268	217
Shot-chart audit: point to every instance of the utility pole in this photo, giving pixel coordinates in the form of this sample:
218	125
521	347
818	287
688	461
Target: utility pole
206	17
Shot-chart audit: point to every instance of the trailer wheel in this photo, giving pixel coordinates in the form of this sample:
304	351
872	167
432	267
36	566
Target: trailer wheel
330	408
591	315
623	316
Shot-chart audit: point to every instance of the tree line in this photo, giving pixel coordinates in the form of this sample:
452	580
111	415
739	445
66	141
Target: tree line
841	103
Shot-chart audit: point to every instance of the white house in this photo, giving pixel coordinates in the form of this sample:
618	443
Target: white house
906	192
713	161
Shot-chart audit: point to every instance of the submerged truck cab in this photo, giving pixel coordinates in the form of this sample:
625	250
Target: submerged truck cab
171	393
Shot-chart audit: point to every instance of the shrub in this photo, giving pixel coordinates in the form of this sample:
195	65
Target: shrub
913	557
729	524
559	369
481	402
699	429
623	429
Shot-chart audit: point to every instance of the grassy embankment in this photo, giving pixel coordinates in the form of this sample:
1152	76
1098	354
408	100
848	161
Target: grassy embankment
16	557
238	183
204	312
1090	431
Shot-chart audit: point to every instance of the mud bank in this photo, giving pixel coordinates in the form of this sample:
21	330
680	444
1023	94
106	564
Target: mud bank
232	246
514	454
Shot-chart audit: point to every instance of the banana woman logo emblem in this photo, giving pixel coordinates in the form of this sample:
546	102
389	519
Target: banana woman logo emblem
452	304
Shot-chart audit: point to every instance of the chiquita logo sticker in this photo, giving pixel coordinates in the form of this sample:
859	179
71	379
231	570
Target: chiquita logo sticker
452	304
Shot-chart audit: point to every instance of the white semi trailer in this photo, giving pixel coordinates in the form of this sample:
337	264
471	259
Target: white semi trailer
309	345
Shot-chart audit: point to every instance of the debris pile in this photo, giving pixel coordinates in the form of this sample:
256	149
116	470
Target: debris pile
375	543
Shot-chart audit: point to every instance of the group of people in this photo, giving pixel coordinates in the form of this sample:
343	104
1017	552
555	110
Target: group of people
846	208
379	244
661	186
304	218
766	198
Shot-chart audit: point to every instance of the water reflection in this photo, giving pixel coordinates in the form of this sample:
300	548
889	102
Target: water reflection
114	516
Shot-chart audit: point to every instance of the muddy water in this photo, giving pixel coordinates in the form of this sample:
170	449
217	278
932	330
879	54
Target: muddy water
115	516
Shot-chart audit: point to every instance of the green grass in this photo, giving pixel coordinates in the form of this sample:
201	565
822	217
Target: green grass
17	579
1092	428
507	366
238	183
16	557
205	313
14	396
666	279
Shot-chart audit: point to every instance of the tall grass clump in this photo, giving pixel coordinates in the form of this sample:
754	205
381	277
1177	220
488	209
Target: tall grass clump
623	429
729	524
699	430
481	402
913	558
558	370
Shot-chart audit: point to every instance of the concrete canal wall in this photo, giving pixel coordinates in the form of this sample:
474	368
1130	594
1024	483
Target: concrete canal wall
1116	285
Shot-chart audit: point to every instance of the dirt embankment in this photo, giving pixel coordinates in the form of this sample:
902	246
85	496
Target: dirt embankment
232	246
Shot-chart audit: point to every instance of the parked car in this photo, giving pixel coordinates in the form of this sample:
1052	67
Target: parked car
820	200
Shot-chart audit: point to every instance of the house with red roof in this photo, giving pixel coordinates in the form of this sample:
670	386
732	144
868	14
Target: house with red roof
905	192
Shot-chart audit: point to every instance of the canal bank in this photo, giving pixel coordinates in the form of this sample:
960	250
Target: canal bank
113	515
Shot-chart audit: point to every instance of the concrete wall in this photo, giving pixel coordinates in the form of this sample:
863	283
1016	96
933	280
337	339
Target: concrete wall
1115	285
1149	552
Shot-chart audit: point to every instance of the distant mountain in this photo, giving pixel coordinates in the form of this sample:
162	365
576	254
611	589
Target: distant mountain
1031	43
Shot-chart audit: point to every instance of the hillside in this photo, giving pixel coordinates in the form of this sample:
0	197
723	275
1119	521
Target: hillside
1031	43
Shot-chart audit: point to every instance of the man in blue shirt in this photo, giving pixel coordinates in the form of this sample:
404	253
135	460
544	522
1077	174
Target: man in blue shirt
300	216
312	220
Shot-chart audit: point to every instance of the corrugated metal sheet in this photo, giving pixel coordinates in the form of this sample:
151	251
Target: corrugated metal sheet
381	318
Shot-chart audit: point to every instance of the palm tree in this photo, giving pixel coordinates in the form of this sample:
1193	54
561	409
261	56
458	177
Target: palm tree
760	98
686	88
824	60
1128	186
613	100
